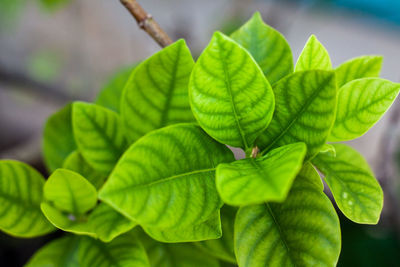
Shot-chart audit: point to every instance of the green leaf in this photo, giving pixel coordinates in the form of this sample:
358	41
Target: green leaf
172	168
310	174
156	94
302	231
58	138
328	148
267	46
230	97
98	134
75	162
359	67
107	223
70	192
176	255
304	112
222	248
314	56
110	95
256	180
61	252
21	190
361	103
209	229
353	185
125	250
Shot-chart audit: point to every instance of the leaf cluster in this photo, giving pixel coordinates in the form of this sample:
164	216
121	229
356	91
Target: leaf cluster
144	175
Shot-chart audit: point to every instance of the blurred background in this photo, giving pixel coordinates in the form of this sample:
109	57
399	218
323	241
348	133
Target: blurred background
55	51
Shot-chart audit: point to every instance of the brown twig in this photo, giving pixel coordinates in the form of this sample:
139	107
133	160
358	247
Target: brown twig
147	23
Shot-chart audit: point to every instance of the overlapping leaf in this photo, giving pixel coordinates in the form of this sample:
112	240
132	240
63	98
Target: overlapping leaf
361	103
222	248
267	46
62	252
75	162
353	185
229	95
256	180
304	111
173	169
209	229
302	231
99	135
359	67
314	56
58	138
173	255
125	250
21	191
156	94
110	95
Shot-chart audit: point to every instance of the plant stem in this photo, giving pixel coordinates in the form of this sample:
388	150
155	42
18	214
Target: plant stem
147	23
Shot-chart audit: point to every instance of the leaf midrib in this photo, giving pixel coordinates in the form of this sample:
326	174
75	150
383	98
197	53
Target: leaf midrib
296	117
166	179
233	104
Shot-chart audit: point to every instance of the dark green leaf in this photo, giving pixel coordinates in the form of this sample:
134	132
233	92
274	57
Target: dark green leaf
267	46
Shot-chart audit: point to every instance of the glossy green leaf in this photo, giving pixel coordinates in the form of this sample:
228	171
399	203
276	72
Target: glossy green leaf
70	192
61	252
230	97
313	57
359	67
125	250
267	46
110	95
353	185
310	174
209	229
156	94
172	168
58	138
107	223
176	255
304	112
264	179
21	191
302	231
75	162
99	135
361	103
222	248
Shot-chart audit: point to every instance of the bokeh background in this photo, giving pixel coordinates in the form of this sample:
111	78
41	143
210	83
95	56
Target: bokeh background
55	51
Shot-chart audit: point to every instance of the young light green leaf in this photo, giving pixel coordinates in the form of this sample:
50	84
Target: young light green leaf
256	180
107	223
68	191
174	255
58	138
359	67
222	248
75	162
156	94
361	103
314	56
302	231
110	95
62	252
304	112
172	168
353	185
21	190
209	229
125	250
229	95
98	134
267	46
328	148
